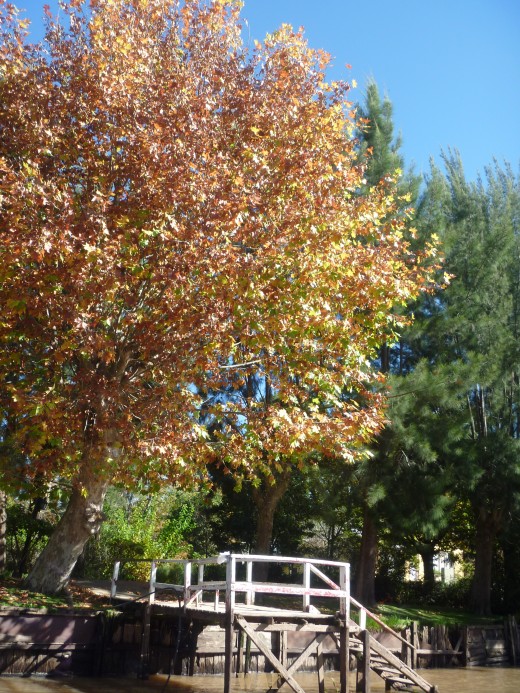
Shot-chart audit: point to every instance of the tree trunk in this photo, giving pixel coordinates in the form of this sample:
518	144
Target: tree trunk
3	530
427	552
487	527
52	569
366	569
266	499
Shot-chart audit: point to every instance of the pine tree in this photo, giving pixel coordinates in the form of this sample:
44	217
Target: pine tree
466	341
379	153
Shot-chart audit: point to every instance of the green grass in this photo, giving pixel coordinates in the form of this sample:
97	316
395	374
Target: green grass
398	617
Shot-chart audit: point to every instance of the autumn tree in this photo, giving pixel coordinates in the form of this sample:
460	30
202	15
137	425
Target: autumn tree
177	210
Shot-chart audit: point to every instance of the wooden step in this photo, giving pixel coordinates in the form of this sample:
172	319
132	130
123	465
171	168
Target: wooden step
382	670
400	685
393	670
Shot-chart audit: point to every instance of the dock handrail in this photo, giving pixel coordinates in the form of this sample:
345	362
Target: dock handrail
193	590
366	612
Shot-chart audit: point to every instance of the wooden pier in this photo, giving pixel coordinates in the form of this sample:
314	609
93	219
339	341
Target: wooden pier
233	603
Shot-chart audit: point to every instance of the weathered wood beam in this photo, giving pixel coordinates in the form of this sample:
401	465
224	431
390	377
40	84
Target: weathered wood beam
344	655
264	649
363	682
294	627
310	649
320	667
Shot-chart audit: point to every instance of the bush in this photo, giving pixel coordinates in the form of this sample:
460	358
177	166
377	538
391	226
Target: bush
139	527
455	595
27	534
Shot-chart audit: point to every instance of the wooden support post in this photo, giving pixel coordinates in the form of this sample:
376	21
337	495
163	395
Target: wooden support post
406	650
363	682
194	630
279	645
144	665
283	647
247	659
147	617
434	641
414	639
465	646
192	650
344	664
320	668
229	621
509	628
240	652
276	648
344	612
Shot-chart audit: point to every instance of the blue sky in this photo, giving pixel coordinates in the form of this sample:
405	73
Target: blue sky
450	67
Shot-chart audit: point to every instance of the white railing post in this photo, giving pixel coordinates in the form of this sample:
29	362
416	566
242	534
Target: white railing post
200	580
187	582
153	581
229	621
344	585
230	582
307	585
115	577
362	619
250	595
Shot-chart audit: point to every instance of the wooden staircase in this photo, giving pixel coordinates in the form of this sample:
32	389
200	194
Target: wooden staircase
240	613
377	658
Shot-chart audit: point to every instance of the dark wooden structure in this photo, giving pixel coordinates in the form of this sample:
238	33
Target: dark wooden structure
232	601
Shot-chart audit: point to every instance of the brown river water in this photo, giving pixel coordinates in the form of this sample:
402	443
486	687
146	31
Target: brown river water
470	680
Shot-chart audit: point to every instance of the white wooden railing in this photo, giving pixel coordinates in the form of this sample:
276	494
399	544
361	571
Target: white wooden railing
244	591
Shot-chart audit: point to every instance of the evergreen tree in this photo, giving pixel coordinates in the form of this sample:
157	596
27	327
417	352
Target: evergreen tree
380	146
379	153
465	341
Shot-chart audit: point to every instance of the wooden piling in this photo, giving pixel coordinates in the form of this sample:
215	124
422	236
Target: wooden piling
414	639
363	674
320	668
229	621
344	635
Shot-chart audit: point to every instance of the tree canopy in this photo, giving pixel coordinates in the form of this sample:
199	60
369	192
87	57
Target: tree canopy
179	213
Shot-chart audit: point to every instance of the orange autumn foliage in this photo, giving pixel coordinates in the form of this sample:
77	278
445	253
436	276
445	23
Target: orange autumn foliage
179	214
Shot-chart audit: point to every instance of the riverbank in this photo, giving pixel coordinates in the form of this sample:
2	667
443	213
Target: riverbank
102	643
84	634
